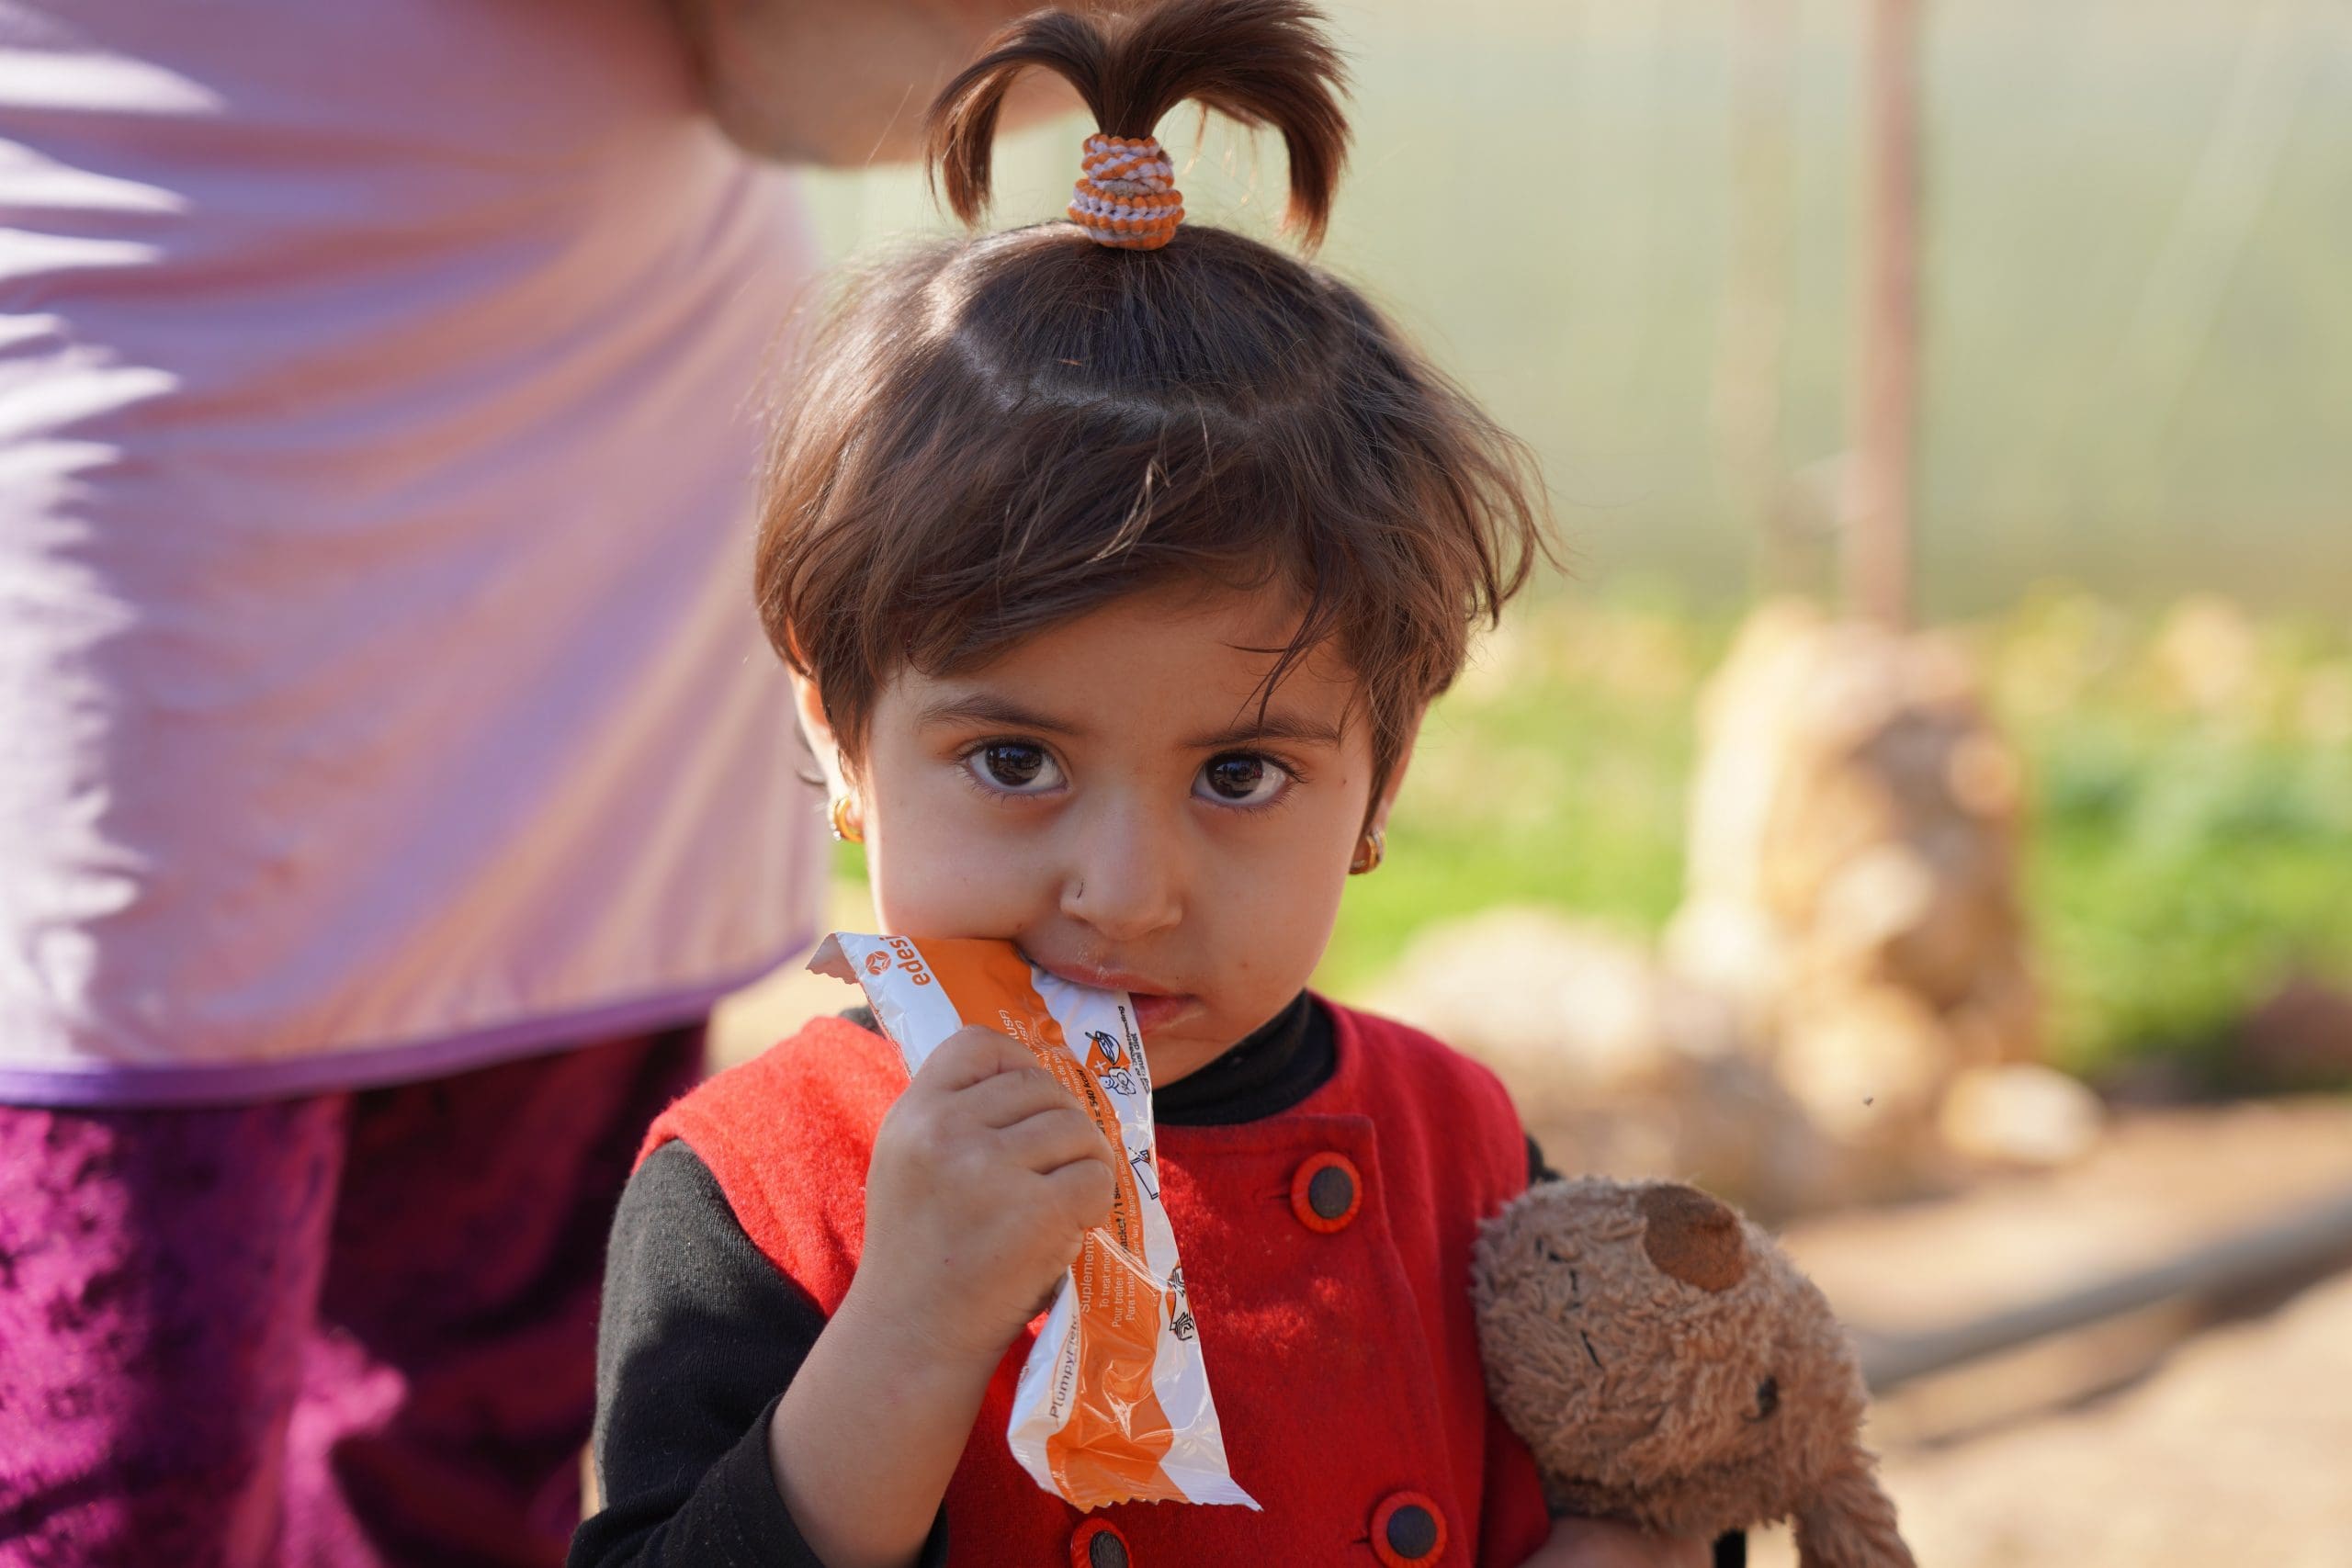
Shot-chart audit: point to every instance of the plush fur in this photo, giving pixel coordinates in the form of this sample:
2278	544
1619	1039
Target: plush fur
1669	1366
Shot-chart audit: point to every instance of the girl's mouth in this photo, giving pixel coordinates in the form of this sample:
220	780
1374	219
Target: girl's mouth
1156	1011
1153	1009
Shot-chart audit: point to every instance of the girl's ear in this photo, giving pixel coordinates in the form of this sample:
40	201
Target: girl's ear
817	731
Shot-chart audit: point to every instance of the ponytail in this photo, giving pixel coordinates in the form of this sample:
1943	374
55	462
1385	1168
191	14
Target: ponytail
1260	62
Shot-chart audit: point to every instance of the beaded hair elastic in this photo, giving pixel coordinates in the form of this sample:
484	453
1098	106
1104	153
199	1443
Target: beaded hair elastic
1127	196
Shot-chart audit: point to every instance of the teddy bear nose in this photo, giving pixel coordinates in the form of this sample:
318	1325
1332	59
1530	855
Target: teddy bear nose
1692	1238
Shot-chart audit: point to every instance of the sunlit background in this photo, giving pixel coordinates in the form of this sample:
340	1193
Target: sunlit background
1635	229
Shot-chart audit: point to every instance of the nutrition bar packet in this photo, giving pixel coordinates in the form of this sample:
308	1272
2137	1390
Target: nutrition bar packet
1113	1404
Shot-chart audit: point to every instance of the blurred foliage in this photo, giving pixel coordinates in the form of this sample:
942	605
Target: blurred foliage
2190	838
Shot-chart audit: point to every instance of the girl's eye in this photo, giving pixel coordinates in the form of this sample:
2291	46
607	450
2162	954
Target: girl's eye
1015	768
1241	778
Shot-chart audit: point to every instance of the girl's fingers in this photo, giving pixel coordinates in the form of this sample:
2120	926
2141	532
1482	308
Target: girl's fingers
1084	1191
971	1056
1052	1138
1014	1095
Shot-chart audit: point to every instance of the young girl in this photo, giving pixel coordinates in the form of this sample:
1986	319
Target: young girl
1116	563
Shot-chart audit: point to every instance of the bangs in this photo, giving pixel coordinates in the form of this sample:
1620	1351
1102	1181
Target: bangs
1005	433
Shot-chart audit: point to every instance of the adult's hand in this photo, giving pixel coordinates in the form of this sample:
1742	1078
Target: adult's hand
844	81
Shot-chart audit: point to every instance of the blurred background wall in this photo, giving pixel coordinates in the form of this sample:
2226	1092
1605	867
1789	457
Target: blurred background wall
2138	349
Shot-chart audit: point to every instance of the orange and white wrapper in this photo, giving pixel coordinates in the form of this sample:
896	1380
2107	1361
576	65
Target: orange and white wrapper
1113	1404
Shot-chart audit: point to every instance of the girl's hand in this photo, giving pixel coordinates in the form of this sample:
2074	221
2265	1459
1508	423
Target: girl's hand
986	1174
1604	1543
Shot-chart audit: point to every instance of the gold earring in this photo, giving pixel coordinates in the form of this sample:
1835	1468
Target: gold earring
1371	849
848	829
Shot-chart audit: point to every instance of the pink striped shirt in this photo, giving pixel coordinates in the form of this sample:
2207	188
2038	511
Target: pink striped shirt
379	690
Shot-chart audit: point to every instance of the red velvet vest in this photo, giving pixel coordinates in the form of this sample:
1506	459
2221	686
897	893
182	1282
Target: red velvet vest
1334	1315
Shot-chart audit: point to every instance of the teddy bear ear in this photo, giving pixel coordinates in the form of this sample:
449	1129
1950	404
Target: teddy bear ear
1695	1239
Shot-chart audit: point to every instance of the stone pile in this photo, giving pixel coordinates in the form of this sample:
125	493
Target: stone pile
1844	1008
1855	829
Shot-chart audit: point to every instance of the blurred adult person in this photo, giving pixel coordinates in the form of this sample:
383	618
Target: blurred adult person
392	773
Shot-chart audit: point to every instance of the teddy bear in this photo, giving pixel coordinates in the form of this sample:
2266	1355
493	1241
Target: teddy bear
1667	1366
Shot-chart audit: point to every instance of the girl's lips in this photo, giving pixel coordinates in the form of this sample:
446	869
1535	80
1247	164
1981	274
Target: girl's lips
1154	1011
1101	980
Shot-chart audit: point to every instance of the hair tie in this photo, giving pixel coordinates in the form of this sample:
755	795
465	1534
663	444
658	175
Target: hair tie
1127	196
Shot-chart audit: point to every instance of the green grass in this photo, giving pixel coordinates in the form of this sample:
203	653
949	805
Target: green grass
1555	774
2182	859
2178	875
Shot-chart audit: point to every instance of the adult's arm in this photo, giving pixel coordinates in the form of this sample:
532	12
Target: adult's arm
844	81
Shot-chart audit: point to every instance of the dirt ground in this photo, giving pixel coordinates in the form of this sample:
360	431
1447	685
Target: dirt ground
2160	1441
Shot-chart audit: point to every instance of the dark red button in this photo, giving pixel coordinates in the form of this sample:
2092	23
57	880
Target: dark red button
1326	1192
1097	1543
1406	1529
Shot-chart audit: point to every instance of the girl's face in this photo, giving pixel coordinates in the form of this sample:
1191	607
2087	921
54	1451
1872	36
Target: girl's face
1108	796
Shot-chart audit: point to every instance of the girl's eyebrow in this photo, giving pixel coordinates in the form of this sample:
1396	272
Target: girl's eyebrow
984	707
981	707
1266	727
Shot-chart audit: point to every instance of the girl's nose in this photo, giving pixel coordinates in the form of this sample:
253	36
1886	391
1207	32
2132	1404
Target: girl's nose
1125	882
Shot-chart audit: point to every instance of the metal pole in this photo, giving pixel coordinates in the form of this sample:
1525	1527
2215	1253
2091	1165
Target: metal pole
2313	1241
1878	554
1749	363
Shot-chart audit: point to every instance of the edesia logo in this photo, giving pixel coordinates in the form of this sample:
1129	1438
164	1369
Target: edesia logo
908	959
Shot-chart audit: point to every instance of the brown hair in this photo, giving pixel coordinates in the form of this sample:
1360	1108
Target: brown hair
1004	431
